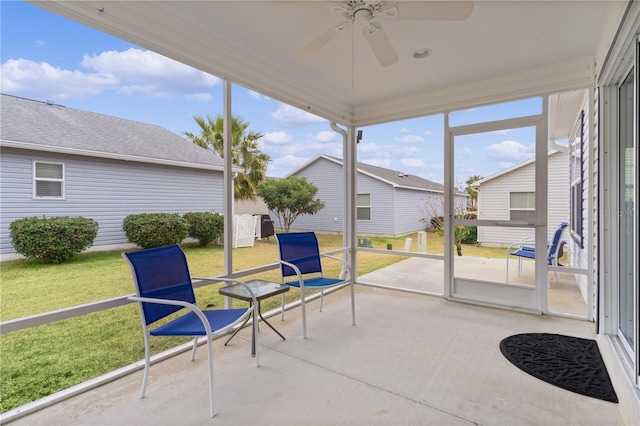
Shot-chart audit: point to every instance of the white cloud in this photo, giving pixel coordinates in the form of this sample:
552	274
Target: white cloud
134	71
465	151
364	148
503	132
510	151
412	162
200	97
291	161
404	130
255	95
143	71
288	115
409	139
379	162
45	82
325	136
277	137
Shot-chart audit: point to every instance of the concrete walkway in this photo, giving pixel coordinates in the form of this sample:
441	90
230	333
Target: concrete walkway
428	275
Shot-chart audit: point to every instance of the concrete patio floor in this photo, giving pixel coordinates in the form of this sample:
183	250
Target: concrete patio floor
411	359
427	275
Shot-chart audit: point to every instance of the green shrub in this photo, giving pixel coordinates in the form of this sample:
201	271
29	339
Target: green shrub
54	239
148	230
204	226
467	234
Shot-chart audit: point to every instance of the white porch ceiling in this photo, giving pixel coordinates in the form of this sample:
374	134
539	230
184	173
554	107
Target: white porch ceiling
505	49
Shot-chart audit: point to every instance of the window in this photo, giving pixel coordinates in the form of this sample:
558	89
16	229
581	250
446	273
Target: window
364	207
576	171
48	180
522	206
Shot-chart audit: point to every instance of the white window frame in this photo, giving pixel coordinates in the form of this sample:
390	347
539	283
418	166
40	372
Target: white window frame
358	206
519	209
37	179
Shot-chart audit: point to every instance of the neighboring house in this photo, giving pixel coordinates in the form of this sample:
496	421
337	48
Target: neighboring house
510	195
59	161
388	202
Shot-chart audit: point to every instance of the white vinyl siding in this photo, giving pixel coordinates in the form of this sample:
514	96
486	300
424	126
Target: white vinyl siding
578	254
48	180
493	200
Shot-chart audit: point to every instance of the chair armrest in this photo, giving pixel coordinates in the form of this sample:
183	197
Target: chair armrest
295	269
231	280
345	264
190	306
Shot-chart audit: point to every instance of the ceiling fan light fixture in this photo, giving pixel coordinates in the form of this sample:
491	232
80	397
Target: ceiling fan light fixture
421	53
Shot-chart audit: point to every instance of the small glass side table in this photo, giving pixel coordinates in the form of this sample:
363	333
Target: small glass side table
262	290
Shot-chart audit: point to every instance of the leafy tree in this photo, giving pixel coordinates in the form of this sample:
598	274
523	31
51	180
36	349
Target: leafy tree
290	198
473	195
433	207
244	149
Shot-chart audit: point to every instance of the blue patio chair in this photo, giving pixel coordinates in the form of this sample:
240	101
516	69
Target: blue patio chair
300	258
163	287
526	249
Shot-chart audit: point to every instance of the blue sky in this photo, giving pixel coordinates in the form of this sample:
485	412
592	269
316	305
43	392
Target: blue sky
50	58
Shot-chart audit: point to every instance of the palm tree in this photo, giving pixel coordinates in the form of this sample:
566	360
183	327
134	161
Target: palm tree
473	195
244	149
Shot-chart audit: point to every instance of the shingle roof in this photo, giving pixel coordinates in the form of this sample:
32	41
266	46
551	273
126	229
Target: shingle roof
393	177
44	126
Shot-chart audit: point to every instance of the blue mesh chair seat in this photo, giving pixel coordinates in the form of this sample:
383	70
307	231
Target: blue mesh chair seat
525	250
300	258
163	287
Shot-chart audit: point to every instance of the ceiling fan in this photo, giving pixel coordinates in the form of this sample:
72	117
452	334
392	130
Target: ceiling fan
372	12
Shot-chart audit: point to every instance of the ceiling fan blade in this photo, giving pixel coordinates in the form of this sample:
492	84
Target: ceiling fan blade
432	10
380	44
323	39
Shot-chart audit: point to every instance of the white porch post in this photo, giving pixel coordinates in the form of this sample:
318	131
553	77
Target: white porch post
448	208
227	186
541	203
350	194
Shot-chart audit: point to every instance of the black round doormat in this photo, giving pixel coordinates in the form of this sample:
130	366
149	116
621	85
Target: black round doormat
568	362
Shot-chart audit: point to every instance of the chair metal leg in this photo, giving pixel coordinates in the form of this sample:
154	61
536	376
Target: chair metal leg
321	298
210	359
147	363
282	317
304	313
195	346
353	303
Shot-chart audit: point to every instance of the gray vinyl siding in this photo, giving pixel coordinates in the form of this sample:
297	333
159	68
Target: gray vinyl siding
383	207
394	211
409	212
328	177
104	190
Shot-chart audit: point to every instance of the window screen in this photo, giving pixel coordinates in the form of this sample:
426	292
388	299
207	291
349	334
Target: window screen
364	207
522	205
48	180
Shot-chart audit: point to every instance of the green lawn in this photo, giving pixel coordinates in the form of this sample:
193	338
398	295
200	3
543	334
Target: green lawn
39	361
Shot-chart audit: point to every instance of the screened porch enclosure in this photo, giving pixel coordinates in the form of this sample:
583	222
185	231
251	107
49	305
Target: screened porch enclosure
570	47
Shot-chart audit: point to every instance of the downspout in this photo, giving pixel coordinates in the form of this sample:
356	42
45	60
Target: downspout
349	223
